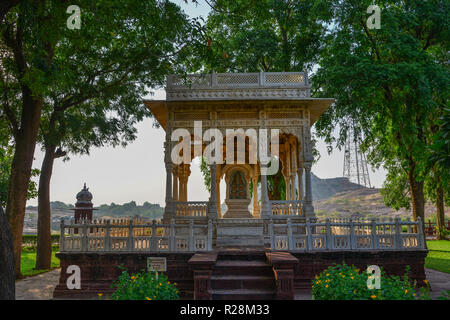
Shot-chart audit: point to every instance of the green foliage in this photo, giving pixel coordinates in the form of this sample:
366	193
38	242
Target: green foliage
266	35
343	282
6	157
392	83
144	286
148	210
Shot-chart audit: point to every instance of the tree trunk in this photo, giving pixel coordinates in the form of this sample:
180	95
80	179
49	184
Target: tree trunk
44	242
440	214
25	143
7	283
417	196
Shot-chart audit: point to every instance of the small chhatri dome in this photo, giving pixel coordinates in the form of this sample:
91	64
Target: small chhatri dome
84	195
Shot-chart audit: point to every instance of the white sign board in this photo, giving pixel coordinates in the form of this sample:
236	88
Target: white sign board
157	264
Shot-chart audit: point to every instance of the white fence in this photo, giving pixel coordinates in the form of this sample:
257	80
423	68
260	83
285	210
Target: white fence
349	234
107	236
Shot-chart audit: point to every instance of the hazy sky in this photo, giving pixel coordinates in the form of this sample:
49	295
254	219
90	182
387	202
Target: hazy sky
137	172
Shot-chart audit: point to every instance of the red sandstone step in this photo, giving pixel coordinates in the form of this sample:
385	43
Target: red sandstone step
242	294
225	282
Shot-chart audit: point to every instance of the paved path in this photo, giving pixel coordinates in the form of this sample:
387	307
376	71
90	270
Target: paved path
41	287
38	287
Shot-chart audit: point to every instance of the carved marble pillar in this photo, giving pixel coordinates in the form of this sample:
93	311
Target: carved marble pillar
293	197
168	213
175	183
266	207
212	208
219	211
300	182
308	208
256	208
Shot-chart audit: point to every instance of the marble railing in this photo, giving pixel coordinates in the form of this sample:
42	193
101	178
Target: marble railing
238	80
287	207
346	235
191	208
104	236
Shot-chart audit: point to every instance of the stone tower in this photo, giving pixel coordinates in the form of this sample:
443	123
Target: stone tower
83	206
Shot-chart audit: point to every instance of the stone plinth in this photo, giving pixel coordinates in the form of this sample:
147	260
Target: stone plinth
237	209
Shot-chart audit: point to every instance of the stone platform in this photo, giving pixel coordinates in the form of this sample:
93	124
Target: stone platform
231	273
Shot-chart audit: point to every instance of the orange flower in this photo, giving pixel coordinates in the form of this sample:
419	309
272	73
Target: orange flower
373	296
148	298
406	291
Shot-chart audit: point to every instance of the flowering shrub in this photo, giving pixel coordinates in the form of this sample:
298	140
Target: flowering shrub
144	286
343	282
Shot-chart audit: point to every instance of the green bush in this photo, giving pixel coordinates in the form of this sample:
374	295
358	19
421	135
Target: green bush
144	286
343	282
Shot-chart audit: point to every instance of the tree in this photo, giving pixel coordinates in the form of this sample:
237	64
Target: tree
390	82
99	100
47	68
267	35
7	282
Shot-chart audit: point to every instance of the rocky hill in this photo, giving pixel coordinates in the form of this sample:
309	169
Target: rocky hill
363	202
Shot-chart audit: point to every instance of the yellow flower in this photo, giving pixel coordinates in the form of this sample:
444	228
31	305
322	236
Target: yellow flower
426	281
354	291
160	284
100	294
133	277
328	274
326	286
352	278
373	296
317	277
148	298
414	294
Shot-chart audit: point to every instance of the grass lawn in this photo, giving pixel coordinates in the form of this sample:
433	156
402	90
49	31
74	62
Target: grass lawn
29	261
438	256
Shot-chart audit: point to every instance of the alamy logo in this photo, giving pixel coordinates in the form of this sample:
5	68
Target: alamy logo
74	21
374	279
258	146
74	280
374	21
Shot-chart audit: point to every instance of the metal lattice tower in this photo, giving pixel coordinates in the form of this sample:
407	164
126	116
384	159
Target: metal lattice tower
355	163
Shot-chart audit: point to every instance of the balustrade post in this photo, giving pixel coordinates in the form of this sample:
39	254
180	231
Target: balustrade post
290	239
271	235
154	238
84	242
329	239
130	236
191	235
62	238
266	206
398	236
352	235
374	234
309	243
173	244
108	236
420	229
210	235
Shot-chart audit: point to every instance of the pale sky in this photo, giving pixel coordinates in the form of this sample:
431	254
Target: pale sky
137	172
